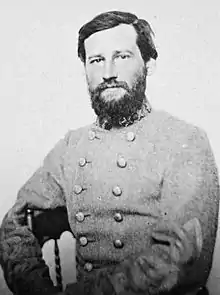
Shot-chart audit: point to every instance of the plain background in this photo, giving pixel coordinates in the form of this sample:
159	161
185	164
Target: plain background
43	91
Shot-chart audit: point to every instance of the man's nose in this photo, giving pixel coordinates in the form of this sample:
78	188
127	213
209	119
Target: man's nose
109	72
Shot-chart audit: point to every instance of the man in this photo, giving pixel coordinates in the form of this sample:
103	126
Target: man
140	186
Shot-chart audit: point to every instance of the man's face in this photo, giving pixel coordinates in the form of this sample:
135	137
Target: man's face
115	70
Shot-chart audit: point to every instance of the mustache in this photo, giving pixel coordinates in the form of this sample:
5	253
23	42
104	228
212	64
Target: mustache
119	84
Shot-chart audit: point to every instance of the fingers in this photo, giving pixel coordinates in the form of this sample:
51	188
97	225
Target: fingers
179	242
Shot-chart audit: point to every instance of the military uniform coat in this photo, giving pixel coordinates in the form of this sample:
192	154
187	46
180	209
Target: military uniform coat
143	195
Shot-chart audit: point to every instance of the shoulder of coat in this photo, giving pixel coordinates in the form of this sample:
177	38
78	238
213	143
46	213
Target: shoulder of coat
170	123
73	136
172	130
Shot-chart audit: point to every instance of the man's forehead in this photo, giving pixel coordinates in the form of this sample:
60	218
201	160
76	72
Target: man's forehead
123	36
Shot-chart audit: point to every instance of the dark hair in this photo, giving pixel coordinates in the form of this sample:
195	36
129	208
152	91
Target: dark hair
112	19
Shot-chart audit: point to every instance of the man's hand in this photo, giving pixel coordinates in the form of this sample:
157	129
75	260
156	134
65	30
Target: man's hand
159	268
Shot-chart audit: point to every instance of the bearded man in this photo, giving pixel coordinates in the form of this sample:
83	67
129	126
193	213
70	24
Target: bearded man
140	187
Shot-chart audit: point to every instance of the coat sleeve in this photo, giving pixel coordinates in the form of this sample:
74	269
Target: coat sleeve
21	258
182	241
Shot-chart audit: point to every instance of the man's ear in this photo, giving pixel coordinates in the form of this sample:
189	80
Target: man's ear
193	228
151	66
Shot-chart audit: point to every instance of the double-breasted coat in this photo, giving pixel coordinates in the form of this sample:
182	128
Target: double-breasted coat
143	197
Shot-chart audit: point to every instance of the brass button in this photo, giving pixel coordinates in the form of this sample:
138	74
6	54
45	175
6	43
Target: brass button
92	135
82	162
88	266
80	216
83	241
130	136
117	191
121	162
118	244
77	189
118	217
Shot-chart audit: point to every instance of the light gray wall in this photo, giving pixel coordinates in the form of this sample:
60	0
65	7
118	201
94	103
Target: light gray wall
42	86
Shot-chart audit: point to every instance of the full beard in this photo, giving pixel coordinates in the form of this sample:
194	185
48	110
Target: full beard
114	111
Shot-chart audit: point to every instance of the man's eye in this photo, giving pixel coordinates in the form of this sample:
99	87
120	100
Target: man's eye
123	56
96	60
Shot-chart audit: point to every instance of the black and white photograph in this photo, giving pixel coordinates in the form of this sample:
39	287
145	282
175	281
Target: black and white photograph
110	147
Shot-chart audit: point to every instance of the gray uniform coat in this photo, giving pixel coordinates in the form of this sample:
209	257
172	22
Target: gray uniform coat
140	200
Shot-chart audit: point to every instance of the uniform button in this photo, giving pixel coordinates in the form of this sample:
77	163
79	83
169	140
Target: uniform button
130	136
92	135
118	217
80	216
118	244
82	162
117	191
77	189
88	266
83	241
121	162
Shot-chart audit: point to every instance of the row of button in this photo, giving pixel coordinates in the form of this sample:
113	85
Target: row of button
130	136
121	162
116	190
118	244
80	217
